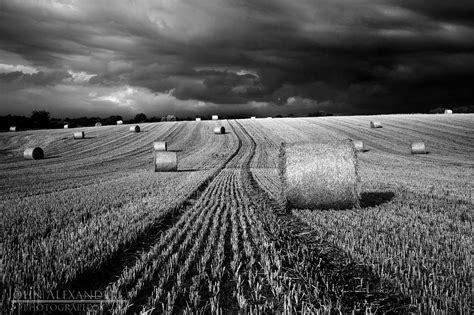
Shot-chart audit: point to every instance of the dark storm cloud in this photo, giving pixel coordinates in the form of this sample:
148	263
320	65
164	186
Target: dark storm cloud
39	78
360	56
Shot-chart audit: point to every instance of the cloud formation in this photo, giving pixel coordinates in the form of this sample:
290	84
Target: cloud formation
341	56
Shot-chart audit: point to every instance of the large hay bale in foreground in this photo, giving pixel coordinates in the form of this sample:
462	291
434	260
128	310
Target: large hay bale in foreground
13	128
135	129
160	146
448	111
79	135
165	161
320	175
198	119
358	145
215	117
219	130
119	122
418	147
375	124
33	153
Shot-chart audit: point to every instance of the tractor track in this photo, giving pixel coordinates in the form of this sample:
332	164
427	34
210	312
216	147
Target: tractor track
297	236
99	277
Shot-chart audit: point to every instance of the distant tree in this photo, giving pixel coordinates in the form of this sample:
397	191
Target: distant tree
112	120
40	119
437	110
319	114
291	115
140	118
279	116
169	118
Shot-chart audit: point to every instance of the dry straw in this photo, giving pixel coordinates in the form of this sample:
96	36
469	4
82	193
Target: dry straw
79	135
448	111
215	117
12	128
66	126
358	144
219	130
165	161
160	146
33	154
119	122
375	124
135	129
418	148
320	175
253	117
198	119
98	124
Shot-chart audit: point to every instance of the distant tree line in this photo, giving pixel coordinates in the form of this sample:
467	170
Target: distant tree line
459	109
42	120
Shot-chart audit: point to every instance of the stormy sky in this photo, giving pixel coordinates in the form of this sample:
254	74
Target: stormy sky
257	57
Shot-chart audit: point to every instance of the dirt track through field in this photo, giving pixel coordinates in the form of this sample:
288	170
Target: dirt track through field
100	277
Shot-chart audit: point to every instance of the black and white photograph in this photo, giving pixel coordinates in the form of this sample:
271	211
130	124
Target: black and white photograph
236	157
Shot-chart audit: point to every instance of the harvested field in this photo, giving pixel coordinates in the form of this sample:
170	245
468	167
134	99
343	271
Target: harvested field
215	236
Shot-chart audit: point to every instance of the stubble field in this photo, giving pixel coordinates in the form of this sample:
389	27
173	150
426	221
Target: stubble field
214	236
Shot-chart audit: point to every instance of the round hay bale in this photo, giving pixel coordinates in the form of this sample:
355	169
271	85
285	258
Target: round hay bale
448	111
13	128
219	130
418	148
98	124
375	124
198	119
358	144
215	117
165	161
135	129
119	122
160	146
66	126
253	117
79	135
33	154
320	175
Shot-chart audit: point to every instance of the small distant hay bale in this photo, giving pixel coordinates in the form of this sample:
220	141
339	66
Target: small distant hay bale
165	161
33	153
160	146
418	147
13	128
66	126
358	144
198	119
135	129
448	111
269	117
253	117
119	122
219	130
98	124
215	117
79	135
375	124
320	175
